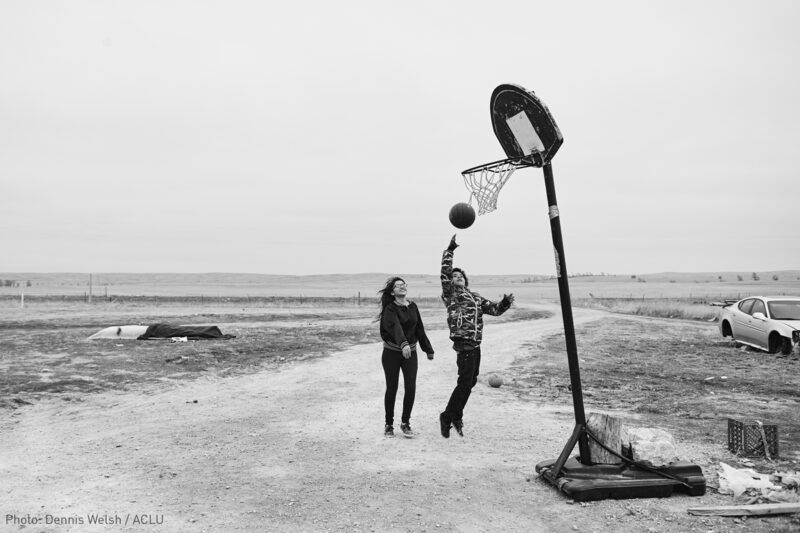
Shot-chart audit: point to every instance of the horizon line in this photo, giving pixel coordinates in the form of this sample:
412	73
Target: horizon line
229	273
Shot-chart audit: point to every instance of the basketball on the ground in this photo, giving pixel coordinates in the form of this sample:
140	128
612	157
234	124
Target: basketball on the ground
462	215
495	380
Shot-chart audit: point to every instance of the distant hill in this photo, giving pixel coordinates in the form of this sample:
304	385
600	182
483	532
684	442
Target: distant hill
694	277
366	285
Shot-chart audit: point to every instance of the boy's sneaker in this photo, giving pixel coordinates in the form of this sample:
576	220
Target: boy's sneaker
459	425
444	425
406	429
388	431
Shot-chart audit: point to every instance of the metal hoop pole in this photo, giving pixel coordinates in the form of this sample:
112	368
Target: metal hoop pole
569	326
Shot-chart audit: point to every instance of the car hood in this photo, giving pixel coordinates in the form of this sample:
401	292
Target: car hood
791	323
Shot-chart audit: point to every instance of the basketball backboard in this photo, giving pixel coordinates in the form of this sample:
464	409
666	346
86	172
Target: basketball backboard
524	125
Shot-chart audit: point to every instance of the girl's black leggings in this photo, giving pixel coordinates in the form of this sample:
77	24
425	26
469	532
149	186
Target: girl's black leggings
393	363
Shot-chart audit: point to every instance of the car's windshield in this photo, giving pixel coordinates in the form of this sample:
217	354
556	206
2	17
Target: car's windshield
788	310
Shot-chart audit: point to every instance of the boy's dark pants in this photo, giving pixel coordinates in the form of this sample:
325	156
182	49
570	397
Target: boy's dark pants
469	365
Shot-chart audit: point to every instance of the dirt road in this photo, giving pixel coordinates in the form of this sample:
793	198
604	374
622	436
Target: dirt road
302	449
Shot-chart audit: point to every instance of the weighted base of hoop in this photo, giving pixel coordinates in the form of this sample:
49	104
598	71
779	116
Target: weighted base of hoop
584	483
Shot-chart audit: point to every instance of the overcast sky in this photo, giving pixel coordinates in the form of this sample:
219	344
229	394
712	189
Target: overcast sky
329	137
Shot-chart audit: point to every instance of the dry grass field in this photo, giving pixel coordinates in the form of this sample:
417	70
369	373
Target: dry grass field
655	356
46	349
709	286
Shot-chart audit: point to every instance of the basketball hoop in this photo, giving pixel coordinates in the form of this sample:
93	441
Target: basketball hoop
485	181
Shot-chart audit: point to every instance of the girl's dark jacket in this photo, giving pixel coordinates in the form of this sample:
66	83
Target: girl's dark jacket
402	326
465	308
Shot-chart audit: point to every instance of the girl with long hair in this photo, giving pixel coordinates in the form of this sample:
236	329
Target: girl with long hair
401	329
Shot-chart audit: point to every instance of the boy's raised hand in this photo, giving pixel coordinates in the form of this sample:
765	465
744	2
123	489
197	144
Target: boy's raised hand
453	245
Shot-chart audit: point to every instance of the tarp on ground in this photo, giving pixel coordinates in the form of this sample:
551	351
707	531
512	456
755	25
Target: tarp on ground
160	331
168	331
119	332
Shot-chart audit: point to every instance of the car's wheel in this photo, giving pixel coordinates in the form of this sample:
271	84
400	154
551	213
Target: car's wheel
726	329
786	347
778	343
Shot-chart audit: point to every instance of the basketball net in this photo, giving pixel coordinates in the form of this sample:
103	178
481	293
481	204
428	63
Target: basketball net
485	181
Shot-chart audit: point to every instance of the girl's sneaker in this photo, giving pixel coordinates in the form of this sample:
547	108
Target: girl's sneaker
406	429
388	431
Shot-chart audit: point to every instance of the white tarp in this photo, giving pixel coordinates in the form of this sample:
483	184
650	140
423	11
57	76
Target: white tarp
119	332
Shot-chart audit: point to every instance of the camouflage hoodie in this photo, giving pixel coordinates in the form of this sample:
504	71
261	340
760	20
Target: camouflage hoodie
465	308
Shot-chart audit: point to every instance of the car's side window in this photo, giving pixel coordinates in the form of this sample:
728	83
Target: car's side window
758	306
745	306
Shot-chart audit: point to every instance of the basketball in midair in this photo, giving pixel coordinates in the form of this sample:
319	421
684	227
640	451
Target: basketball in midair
462	215
495	380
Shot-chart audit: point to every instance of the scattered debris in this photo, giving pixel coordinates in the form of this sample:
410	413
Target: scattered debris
790	479
747	510
737	480
759	494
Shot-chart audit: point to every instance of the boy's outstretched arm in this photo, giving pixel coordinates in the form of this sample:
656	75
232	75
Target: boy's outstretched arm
446	275
497	308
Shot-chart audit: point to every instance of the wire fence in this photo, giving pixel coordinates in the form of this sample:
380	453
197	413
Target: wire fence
700	298
250	301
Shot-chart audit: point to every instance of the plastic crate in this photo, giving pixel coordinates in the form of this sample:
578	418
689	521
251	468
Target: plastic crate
745	438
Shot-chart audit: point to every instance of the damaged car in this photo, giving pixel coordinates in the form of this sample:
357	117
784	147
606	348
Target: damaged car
769	323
